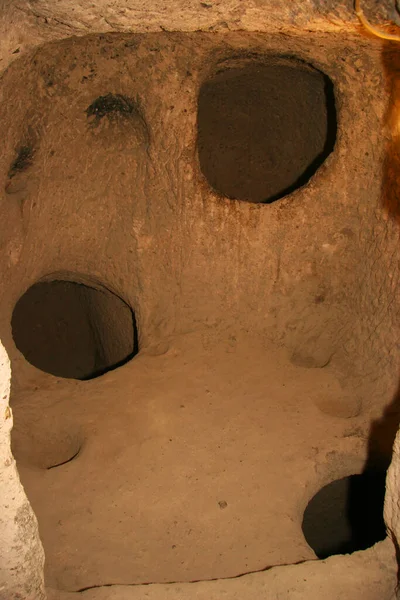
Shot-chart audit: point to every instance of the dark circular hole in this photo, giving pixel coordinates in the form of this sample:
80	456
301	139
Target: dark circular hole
346	515
72	330
265	129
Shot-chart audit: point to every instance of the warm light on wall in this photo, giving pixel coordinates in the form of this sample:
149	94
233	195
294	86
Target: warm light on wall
371	28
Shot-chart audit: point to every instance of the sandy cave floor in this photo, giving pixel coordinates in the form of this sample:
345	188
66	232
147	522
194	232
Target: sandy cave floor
193	461
368	575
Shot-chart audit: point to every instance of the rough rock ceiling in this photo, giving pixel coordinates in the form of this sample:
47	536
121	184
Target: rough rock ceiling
25	24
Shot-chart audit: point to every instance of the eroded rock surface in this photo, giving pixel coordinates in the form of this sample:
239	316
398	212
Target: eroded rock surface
21	552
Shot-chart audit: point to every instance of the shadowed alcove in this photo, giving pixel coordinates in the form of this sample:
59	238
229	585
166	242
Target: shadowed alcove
264	127
72	330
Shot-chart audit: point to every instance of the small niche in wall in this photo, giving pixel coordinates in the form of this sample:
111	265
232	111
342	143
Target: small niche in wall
264	127
346	515
73	330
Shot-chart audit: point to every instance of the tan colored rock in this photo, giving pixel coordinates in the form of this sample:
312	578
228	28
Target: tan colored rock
392	498
25	25
21	553
122	204
369	575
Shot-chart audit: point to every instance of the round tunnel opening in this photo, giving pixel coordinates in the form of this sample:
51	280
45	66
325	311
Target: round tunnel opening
346	515
264	129
72	330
